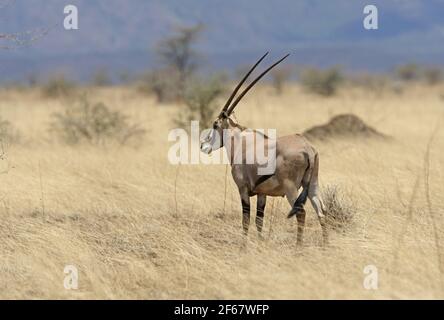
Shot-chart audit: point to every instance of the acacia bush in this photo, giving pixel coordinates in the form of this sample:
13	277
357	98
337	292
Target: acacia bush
58	86
8	133
200	101
94	123
279	77
412	72
322	82
162	83
375	83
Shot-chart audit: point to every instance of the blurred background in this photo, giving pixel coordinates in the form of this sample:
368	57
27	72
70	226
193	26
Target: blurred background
122	37
85	177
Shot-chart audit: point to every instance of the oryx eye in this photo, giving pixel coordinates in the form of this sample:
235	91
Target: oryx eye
215	125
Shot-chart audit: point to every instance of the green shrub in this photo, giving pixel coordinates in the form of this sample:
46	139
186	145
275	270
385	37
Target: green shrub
58	86
93	123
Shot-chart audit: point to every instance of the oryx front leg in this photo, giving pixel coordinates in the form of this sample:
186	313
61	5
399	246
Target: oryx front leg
245	198
261	201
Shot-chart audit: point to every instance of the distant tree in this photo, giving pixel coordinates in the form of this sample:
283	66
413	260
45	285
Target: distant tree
408	72
163	83
101	78
177	53
58	86
201	100
10	41
242	70
280	76
32	80
433	75
322	82
375	83
124	77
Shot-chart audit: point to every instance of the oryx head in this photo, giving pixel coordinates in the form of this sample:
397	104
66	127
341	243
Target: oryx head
215	137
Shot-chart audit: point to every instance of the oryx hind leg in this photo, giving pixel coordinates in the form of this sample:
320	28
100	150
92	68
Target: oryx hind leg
299	211
315	198
297	206
304	181
319	207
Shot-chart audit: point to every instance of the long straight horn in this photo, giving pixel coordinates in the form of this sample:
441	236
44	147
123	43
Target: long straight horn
239	98
241	83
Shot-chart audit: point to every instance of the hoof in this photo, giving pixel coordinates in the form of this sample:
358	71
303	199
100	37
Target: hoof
260	236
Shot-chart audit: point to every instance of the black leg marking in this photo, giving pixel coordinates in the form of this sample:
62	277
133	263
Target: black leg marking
299	203
245	215
301	224
261	202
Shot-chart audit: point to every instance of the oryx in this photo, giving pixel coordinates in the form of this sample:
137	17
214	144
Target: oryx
296	164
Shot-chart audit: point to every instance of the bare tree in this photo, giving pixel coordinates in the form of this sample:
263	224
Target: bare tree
408	72
279	77
15	40
178	53
10	41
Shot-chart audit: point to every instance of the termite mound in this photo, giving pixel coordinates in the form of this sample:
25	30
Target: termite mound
343	125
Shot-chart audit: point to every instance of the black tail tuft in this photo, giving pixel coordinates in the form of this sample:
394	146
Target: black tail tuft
299	203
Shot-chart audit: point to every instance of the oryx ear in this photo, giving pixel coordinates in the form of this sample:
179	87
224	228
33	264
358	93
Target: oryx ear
223	115
231	122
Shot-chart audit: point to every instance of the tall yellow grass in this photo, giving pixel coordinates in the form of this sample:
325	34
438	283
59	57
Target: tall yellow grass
111	212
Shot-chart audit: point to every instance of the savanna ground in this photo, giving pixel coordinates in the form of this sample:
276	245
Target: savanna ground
138	227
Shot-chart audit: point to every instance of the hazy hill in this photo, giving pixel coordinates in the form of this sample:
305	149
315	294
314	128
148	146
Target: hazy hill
119	34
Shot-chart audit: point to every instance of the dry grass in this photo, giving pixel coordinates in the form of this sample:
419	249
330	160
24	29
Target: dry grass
112	211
